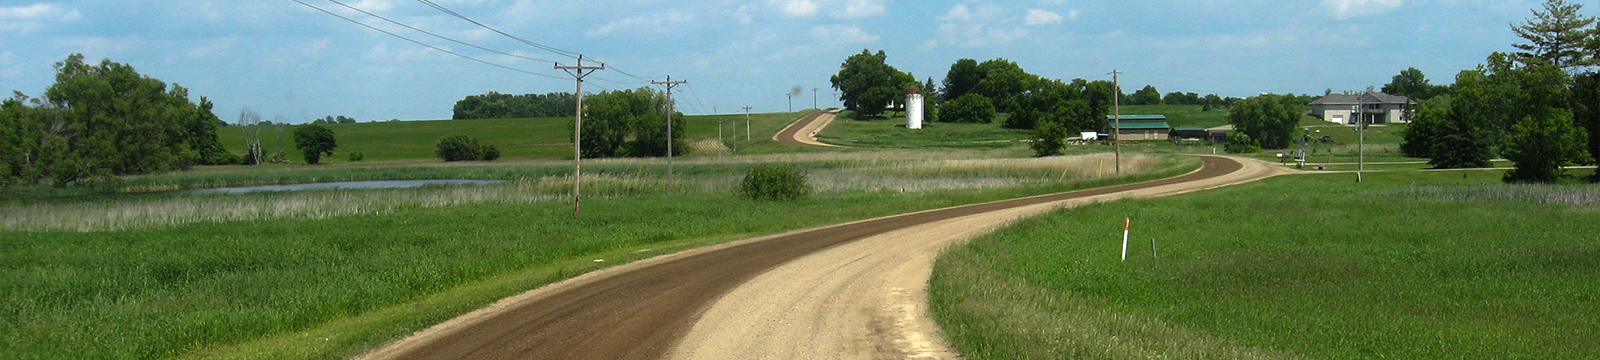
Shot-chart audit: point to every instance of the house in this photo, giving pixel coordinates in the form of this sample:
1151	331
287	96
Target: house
1140	127
1376	108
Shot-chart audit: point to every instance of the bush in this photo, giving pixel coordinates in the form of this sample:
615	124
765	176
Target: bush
784	182
464	148
1048	139
357	156
969	108
1239	143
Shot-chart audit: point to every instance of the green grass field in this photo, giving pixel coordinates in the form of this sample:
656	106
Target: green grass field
328	274
892	133
1302	266
542	138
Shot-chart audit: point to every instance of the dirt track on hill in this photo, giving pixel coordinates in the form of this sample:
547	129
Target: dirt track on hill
673	304
804	132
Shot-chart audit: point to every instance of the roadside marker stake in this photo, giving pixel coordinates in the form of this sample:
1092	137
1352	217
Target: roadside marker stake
1153	251
1125	223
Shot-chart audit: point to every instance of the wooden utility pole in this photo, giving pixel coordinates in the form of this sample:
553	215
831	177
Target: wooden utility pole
814	99
746	125
1116	104
578	72
669	83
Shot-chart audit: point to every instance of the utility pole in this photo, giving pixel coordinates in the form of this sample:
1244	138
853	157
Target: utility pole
814	99
746	125
578	72
836	99
791	101
1361	134
719	139
1116	104
669	83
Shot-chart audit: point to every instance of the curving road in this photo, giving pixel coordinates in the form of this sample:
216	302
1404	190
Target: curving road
804	131
664	306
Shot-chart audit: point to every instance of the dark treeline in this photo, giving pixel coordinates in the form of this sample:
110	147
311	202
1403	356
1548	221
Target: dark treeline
103	120
502	106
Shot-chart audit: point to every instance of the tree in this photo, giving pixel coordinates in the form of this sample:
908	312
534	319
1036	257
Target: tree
963	76
1420	135
1268	120
629	123
1146	96
314	141
969	108
1048	139
1413	84
1240	143
1541	145
1003	82
867	84
494	105
1557	36
1586	111
930	93
1458	143
250	124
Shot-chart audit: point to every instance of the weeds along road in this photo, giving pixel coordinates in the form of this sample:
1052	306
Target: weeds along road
671	305
804	132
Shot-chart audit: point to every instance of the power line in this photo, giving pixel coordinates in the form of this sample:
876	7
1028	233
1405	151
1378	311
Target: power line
440	36
513	37
694	94
424	44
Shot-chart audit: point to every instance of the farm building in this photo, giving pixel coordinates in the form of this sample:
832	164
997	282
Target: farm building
1376	108
1188	133
1140	127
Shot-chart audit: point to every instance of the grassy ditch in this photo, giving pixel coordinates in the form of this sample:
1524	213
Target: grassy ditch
1292	267
310	287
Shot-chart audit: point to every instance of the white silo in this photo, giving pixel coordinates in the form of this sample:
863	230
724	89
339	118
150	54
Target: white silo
914	108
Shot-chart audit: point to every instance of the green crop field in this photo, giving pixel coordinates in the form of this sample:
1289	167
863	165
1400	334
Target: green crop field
1299	266
542	138
328	274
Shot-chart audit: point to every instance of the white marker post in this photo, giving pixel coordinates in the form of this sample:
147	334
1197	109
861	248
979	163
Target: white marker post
1125	223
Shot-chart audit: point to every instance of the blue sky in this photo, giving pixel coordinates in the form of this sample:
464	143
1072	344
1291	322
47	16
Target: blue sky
289	62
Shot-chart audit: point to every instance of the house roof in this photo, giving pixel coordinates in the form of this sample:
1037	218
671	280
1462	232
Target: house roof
1141	125
1188	128
1138	117
1370	97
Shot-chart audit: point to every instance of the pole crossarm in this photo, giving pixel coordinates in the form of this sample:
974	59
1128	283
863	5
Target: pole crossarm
578	72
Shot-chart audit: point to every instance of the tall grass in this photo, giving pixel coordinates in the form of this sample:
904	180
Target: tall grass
1288	267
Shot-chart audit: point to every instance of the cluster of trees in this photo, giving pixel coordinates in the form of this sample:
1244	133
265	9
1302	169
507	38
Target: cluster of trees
629	123
868	84
334	120
1150	96
504	106
1533	107
464	148
1265	121
103	120
1051	108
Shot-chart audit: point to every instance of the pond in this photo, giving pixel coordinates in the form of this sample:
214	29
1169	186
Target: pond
379	184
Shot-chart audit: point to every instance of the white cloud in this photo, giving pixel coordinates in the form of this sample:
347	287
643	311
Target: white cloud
842	34
24	19
656	21
958	13
1037	17
982	25
854	9
798	8
1346	9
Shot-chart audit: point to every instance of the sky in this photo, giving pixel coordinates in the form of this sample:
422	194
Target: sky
290	62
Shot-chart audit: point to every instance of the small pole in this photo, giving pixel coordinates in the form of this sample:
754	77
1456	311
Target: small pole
1153	250
1125	223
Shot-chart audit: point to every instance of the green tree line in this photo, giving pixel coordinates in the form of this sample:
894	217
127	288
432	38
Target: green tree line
504	106
1539	108
102	120
629	123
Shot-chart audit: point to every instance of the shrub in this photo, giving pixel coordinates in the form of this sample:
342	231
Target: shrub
1239	143
1048	139
357	156
969	108
784	182
464	148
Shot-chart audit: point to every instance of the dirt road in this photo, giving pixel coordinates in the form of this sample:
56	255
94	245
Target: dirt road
804	132
743	299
